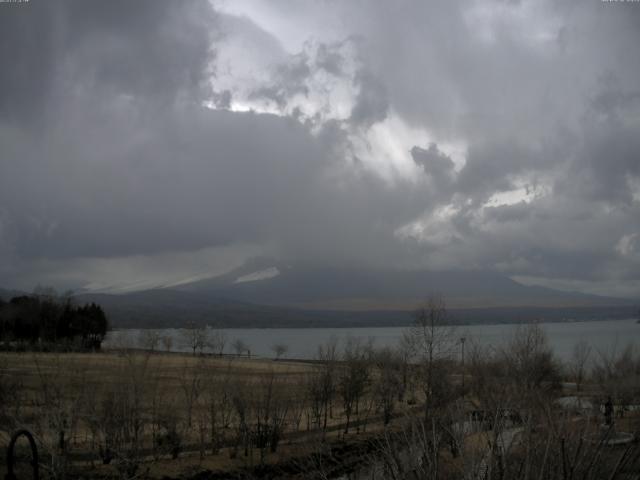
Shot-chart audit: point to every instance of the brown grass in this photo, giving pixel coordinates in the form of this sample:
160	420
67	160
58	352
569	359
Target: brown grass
72	376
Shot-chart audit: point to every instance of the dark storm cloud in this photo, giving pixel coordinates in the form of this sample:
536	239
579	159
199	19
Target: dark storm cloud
561	116
433	161
186	178
150	49
490	167
127	161
107	150
80	83
609	155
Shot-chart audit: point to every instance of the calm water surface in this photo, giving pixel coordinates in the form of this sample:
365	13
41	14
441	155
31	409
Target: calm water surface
603	336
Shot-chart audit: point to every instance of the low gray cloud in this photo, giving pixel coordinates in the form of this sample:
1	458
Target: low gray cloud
441	134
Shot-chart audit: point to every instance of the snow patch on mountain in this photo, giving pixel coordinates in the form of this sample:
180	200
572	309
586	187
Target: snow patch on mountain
259	275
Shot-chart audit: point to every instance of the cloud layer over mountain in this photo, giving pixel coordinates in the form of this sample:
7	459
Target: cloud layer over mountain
152	141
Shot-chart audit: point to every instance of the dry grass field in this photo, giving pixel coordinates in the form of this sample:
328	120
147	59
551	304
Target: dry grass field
144	409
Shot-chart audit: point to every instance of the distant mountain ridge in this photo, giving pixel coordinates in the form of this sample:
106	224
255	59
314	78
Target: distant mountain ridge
268	293
341	288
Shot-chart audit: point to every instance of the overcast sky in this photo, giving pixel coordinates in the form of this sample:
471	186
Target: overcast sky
152	141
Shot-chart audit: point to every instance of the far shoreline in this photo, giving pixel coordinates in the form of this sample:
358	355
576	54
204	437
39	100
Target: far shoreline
378	325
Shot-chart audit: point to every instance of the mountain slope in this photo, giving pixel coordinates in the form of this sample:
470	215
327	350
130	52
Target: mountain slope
335	288
267	293
166	308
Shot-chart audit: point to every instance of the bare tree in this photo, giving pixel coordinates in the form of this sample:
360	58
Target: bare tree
413	452
299	394
279	350
167	343
270	408
326	382
191	384
149	340
243	407
558	448
432	337
218	398
217	341
195	337
116	415
578	363
388	381
530	362
618	375
405	353
315	393
164	419
239	346
60	393
11	397
353	378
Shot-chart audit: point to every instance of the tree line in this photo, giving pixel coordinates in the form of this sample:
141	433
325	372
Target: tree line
45	319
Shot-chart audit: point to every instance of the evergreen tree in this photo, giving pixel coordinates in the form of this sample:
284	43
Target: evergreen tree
47	318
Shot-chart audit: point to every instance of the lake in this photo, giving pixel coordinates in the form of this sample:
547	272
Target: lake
603	336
